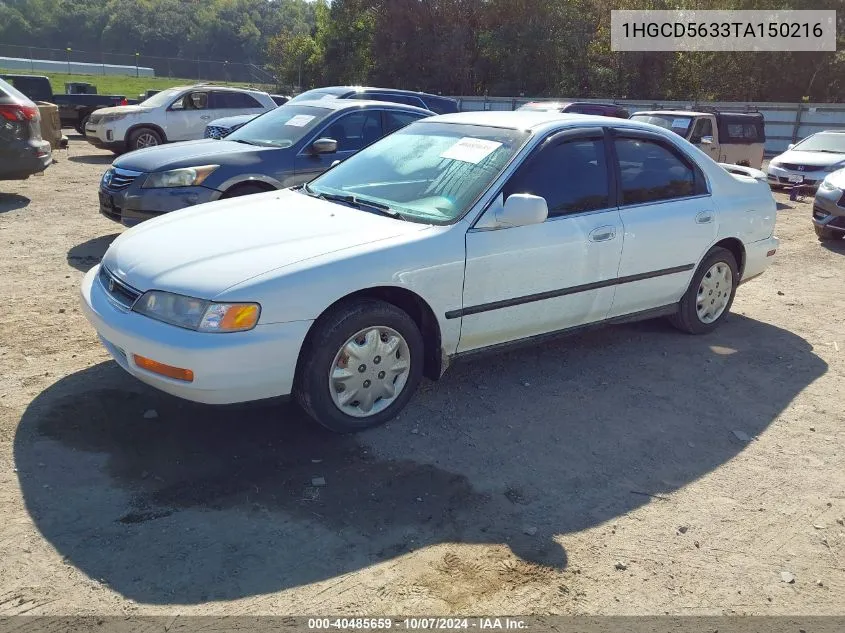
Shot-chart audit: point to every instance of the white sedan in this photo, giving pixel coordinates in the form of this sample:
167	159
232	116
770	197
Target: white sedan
460	233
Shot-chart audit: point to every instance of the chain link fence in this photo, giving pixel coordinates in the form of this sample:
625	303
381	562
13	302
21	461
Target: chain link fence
72	61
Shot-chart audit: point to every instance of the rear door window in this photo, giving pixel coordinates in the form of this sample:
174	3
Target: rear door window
651	171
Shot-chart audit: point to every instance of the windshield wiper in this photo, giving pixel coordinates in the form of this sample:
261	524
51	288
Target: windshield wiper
354	201
240	140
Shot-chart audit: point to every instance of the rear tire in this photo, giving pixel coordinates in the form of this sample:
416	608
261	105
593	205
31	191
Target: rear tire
378	387
825	234
707	301
144	137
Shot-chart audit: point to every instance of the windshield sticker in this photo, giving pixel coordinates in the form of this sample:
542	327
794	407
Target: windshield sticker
471	150
682	123
300	120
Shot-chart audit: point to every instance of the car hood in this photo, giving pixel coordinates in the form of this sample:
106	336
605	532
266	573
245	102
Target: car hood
231	121
207	151
127	109
815	159
203	250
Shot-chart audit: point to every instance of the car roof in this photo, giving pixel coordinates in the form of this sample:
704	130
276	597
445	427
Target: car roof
216	87
396	91
671	112
351	104
539	121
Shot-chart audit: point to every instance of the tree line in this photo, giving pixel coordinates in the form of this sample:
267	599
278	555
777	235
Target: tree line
531	48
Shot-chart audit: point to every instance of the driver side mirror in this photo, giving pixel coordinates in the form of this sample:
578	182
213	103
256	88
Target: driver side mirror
324	146
790	146
520	209
336	163
707	140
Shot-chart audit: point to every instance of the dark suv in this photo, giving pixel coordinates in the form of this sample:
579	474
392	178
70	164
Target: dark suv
434	103
22	150
582	107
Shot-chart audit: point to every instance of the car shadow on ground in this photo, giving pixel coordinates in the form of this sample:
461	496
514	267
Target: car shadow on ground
93	159
88	254
836	246
168	502
12	202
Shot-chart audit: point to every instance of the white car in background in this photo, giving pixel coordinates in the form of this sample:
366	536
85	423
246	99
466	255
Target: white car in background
456	234
809	161
176	114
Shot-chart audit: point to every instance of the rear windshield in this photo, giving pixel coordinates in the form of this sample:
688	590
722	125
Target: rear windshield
10	93
316	95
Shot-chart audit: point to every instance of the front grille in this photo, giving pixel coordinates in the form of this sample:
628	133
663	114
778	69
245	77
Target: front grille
215	131
120	178
797	167
118	291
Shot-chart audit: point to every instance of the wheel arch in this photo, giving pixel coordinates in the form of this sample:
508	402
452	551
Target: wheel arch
735	246
406	300
138	126
265	182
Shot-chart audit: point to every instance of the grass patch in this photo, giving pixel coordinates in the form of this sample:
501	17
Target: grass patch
129	87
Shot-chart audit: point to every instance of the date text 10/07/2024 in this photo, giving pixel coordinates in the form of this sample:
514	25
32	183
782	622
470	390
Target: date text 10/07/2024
416	624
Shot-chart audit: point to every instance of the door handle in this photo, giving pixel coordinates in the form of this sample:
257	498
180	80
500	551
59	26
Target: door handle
603	234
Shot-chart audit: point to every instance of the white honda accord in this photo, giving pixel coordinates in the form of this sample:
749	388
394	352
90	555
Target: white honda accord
459	233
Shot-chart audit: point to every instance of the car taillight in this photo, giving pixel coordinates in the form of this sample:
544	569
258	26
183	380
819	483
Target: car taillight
124	101
15	112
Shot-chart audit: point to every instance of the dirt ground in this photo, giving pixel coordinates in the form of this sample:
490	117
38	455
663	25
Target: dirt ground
632	470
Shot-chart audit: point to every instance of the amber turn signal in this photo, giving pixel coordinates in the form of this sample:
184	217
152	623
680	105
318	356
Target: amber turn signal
176	373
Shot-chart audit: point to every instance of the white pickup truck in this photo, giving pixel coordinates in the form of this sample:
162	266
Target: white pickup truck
727	137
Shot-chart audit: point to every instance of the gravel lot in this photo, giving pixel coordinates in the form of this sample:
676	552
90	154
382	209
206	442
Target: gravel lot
633	470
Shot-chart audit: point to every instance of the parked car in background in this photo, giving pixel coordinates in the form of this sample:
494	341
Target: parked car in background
727	137
829	207
599	109
220	128
442	239
280	99
285	147
810	161
435	103
175	114
74	108
22	150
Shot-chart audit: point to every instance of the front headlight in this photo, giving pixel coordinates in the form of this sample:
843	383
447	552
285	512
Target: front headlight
187	177
109	118
826	185
774	163
197	314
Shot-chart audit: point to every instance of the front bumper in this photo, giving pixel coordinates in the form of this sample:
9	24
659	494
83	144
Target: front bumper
780	177
228	368
758	257
135	204
829	209
99	139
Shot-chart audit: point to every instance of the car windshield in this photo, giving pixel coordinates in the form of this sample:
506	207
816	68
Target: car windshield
542	107
283	127
427	172
316	95
823	142
677	124
162	98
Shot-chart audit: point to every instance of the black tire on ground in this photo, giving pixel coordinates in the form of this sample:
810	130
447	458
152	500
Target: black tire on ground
687	319
312	388
244	190
144	137
824	234
81	127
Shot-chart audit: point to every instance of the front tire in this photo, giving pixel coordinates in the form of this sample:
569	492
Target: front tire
81	127
710	294
824	234
360	366
144	137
